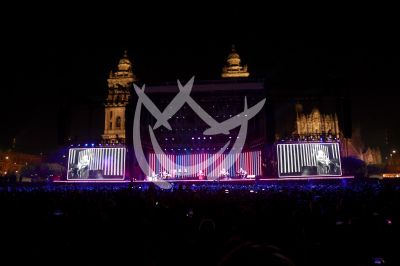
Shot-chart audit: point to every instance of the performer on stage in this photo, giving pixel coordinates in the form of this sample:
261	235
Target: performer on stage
201	175
224	174
152	177
165	174
242	173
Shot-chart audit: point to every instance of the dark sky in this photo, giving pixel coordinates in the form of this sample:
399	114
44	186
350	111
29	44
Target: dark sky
64	59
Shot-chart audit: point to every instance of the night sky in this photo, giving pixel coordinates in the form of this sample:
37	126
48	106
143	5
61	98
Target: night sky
63	60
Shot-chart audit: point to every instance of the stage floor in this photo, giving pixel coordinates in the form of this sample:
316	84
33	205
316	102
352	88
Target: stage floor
261	180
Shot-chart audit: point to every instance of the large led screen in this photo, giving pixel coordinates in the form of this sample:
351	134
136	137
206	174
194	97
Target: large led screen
96	163
309	159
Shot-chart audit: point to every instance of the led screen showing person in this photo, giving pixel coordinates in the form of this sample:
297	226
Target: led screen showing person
96	163
309	159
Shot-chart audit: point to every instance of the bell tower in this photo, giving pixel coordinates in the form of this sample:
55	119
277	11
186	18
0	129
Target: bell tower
119	85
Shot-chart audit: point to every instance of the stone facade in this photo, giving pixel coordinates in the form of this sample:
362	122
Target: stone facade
119	85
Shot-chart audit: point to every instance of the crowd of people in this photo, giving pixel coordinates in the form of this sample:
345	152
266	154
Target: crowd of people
347	222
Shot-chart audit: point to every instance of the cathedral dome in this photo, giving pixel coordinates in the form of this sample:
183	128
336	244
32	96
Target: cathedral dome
233	57
124	76
233	54
233	68
124	63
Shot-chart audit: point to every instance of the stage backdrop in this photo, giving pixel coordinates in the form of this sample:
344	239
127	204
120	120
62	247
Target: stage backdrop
96	163
309	159
248	161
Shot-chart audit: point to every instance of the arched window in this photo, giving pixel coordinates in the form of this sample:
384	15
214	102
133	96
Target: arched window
110	126
110	114
118	122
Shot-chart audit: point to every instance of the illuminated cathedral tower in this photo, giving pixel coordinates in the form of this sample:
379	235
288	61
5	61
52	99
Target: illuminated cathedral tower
119	84
233	68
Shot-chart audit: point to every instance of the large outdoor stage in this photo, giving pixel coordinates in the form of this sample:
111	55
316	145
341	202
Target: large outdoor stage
293	161
205	182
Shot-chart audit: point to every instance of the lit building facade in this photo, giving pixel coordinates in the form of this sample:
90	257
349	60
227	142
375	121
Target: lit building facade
233	67
119	86
12	162
316	123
